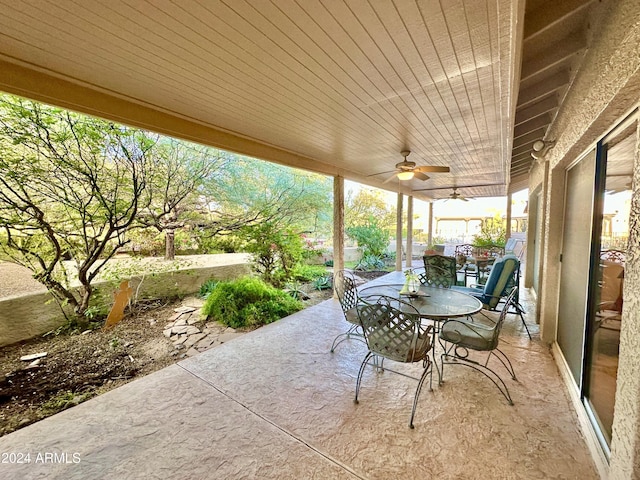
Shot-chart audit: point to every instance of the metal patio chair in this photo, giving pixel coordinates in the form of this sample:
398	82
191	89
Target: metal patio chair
504	275
459	337
439	271
346	290
393	331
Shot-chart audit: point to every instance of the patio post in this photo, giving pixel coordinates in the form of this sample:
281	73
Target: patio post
430	232
508	226
409	250
338	223
399	233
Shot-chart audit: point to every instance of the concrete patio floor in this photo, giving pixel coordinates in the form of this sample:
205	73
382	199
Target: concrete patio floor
275	403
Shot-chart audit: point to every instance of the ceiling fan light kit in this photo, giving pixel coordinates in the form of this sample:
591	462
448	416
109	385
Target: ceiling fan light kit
408	170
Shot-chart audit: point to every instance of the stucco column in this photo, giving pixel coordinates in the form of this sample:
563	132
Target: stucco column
409	231
625	442
399	233
338	223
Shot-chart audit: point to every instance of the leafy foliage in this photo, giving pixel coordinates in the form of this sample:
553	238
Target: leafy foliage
308	273
371	238
370	262
206	288
248	302
70	187
323	283
493	232
368	204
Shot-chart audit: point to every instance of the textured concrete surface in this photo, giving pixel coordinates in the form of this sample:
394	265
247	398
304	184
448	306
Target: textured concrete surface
275	403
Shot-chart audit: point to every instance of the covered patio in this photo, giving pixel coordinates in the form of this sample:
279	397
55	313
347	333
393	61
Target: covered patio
276	403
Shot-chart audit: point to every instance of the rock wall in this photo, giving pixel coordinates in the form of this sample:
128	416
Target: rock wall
28	316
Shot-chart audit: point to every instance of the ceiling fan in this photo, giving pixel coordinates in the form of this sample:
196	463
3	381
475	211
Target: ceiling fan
456	196
406	170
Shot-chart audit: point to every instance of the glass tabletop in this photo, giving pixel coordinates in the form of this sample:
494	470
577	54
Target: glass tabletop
431	302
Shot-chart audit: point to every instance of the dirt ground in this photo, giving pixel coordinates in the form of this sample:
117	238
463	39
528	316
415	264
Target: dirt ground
82	365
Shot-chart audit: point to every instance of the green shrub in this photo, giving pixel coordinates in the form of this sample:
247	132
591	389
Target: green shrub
493	232
308	273
371	238
248	302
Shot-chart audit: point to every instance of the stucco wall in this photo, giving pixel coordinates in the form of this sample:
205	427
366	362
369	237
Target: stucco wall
605	90
28	316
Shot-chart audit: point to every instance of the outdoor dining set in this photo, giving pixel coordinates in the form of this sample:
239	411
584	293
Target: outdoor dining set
404	321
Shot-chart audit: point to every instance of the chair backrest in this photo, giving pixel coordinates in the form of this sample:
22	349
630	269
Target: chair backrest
346	289
439	270
503	276
393	330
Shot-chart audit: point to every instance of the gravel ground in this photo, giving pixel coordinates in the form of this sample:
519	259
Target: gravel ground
17	280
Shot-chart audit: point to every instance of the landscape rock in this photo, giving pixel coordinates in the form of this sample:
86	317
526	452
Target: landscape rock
184	309
33	356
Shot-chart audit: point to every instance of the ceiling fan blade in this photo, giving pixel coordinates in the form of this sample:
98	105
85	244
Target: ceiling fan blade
431	169
420	175
390	178
381	173
463	199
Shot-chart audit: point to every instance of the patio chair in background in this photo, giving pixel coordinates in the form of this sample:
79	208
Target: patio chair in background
393	331
439	271
457	337
504	275
346	290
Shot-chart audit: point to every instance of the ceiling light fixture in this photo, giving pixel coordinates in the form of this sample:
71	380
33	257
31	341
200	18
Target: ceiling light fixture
405	175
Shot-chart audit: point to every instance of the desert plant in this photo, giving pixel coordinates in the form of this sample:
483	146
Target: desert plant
323	283
248	302
371	262
206	288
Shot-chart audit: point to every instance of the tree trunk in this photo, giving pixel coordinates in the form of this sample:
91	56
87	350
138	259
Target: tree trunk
169	244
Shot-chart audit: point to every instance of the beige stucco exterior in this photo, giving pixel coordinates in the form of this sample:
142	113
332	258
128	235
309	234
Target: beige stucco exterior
605	91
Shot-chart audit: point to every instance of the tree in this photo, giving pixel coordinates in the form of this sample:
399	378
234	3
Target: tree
178	172
70	187
368	205
249	192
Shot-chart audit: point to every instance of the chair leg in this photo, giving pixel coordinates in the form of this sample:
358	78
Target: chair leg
427	371
483	369
505	361
352	332
359	380
519	311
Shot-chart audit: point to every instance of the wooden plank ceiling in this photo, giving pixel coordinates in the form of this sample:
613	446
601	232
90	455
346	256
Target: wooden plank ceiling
336	86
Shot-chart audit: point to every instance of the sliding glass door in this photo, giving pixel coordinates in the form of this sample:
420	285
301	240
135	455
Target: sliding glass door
605	320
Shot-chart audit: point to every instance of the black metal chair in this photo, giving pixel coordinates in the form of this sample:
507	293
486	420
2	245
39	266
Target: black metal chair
346	290
459	337
393	331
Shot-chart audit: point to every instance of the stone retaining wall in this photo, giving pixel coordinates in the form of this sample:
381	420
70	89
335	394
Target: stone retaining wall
27	316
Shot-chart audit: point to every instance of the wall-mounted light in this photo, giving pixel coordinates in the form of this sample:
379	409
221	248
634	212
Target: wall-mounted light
405	175
541	147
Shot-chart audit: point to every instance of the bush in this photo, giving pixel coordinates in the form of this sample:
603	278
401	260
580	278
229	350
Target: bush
371	238
492	233
248	302
308	273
